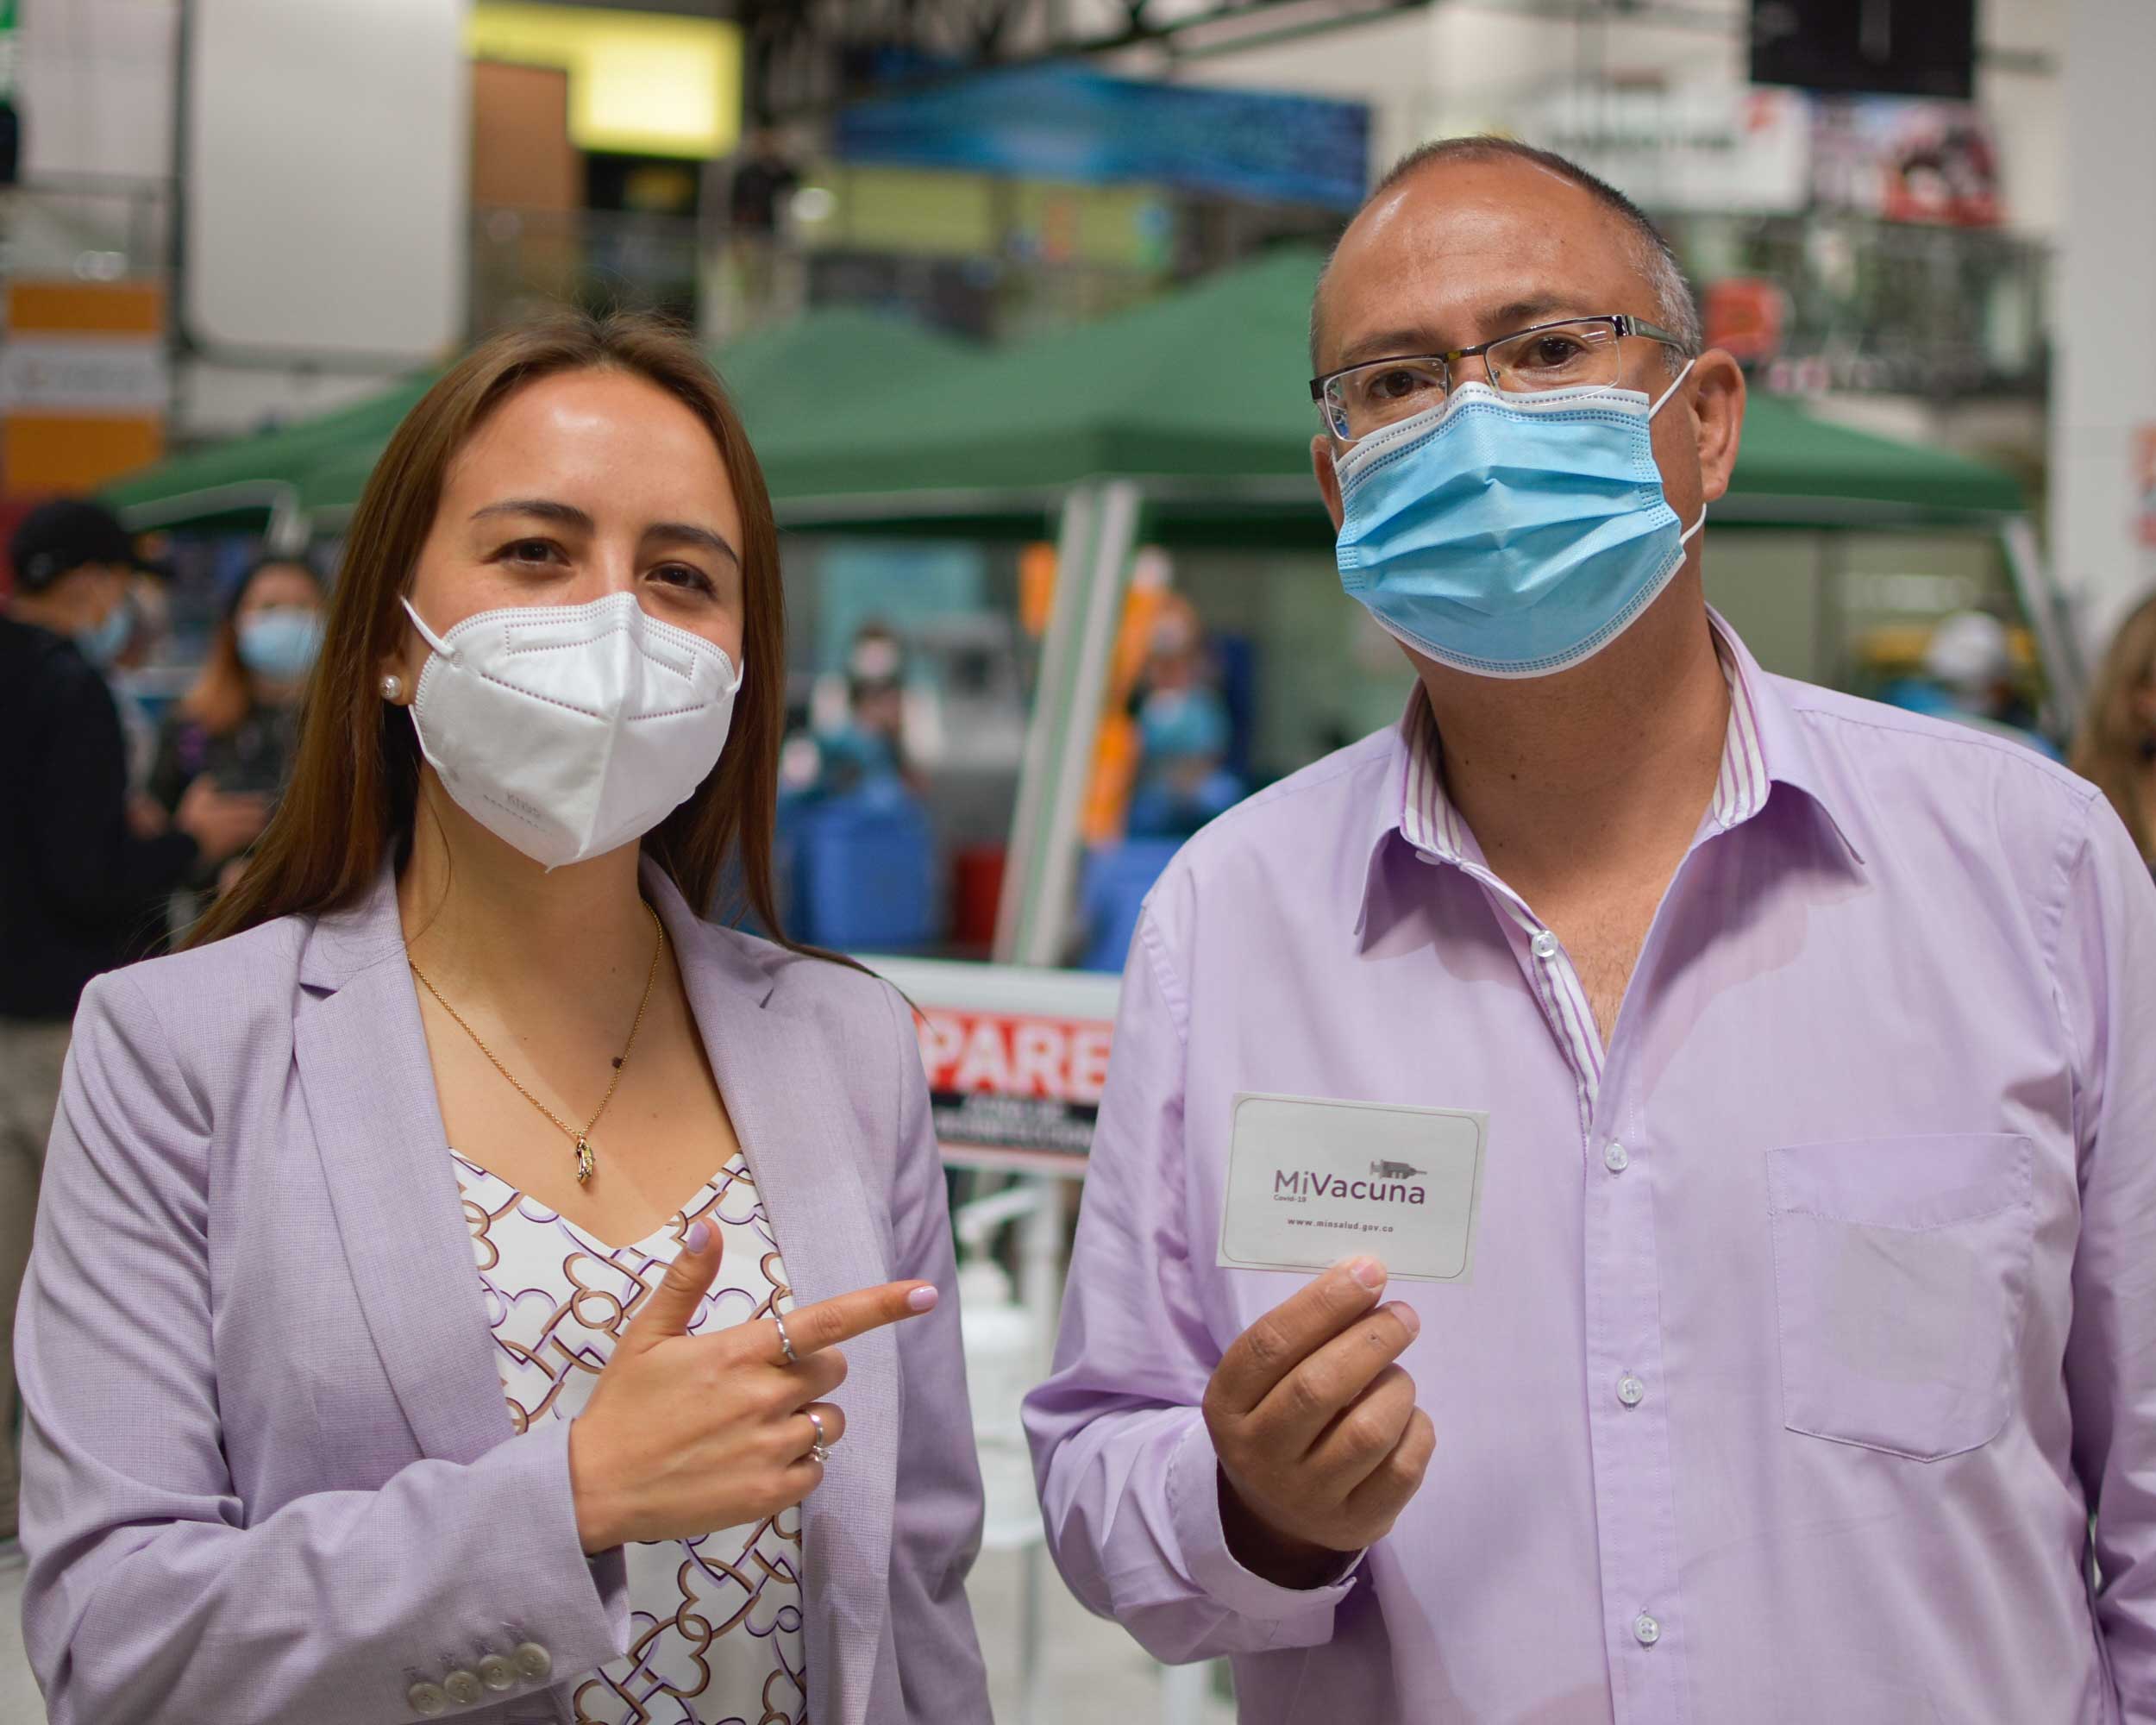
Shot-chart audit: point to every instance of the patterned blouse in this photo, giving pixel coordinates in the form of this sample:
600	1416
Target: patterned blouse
715	1634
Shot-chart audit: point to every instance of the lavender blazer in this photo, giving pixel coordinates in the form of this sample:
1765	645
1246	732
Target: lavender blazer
268	1472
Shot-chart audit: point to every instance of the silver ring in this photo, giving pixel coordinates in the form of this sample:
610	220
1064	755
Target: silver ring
785	1341
819	1449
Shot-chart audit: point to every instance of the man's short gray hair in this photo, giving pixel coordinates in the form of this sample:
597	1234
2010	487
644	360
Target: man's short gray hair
1675	308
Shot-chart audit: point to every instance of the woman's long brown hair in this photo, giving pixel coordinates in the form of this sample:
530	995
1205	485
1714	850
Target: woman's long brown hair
2107	750
355	777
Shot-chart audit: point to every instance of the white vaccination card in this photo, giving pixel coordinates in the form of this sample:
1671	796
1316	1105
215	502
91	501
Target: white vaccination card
1311	1182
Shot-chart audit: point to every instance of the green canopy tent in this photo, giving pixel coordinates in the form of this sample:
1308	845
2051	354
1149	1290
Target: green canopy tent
248	478
1203	392
867	419
787	380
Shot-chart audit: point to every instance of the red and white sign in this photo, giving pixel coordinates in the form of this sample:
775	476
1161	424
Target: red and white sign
1015	1059
1065	1060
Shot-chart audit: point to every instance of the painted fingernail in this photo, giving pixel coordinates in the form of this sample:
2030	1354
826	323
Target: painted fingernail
924	1299
698	1236
1409	1319
1368	1271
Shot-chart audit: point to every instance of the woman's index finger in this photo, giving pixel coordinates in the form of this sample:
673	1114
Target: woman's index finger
843	1316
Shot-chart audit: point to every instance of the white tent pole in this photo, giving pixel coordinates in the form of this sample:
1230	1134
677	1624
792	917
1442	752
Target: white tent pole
2050	613
1093	564
1074	547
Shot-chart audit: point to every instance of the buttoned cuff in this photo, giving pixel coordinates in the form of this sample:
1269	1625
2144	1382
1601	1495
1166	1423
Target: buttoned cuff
583	1600
1299	1616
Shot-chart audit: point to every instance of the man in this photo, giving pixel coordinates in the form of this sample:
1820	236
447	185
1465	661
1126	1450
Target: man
1812	1311
81	887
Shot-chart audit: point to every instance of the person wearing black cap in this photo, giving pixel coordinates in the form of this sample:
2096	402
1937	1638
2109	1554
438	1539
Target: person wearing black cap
80	887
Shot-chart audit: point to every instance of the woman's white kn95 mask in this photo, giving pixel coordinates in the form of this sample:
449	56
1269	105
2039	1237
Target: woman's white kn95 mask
571	730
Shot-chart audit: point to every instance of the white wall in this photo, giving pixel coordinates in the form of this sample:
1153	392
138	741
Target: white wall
328	176
2104	378
328	183
97	87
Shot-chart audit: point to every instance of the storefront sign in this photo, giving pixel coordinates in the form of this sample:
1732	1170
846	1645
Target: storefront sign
1716	148
1905	159
83	383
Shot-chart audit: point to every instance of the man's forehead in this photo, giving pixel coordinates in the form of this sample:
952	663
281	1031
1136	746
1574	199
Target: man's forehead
1459	243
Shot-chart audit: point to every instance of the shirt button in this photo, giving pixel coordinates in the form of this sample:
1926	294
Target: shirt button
533	1661
427	1699
1645	1630
1630	1391
461	1687
1616	1158
1545	944
497	1673
1429	857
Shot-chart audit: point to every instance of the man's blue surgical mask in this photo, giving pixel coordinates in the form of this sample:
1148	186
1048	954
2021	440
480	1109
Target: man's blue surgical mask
1510	535
104	642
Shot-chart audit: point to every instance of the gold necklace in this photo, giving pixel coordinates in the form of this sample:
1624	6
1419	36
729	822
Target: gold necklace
584	1163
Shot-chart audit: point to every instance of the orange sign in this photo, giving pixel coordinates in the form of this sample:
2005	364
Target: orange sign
83	385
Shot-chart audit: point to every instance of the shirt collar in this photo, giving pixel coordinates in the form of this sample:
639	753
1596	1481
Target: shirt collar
1765	745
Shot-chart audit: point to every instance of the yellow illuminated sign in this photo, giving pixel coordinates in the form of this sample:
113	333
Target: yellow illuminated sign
640	83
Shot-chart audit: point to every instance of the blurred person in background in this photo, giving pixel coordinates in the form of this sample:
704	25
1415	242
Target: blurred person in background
413	1317
1783	1339
1969	678
2116	748
82	884
1184	732
875	691
237	725
759	195
150	600
869	743
763	178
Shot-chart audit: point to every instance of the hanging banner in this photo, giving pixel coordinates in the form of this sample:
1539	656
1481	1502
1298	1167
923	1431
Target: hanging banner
1073	124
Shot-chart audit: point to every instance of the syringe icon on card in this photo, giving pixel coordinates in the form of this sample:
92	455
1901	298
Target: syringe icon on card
1396	1170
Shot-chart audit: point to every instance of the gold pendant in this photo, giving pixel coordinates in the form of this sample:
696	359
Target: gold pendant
583	1161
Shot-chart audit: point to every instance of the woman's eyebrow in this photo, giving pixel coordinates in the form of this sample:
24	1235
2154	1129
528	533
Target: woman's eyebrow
543	508
686	533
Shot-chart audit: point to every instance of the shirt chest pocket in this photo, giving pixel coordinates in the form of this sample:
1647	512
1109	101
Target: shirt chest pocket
1901	1270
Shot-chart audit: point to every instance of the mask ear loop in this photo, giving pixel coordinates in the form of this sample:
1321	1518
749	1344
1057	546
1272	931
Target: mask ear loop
426	634
1675	383
1686	536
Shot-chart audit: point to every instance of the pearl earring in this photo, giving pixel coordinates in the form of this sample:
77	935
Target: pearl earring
392	688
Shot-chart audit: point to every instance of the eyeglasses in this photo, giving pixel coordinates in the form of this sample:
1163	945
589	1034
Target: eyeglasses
1578	353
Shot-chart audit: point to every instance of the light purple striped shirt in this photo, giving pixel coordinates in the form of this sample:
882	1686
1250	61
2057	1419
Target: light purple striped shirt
1810	1320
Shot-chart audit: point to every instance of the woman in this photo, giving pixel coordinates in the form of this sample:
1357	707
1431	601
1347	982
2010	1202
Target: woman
240	720
2117	746
411	1326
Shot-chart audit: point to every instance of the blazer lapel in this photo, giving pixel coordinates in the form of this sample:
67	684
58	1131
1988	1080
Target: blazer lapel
369	1083
779	1083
